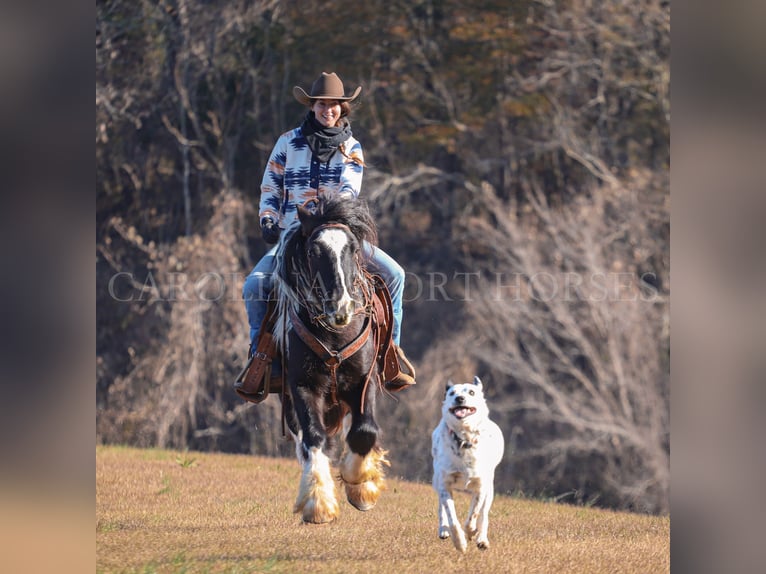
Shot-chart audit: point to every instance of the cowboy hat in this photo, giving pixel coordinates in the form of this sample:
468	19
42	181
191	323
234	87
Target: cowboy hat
326	87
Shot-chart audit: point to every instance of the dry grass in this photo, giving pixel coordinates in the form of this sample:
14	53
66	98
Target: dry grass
168	511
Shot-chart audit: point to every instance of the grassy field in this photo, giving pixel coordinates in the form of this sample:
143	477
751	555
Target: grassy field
167	511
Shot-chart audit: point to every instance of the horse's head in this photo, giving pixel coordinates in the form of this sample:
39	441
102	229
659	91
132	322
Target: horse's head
332	253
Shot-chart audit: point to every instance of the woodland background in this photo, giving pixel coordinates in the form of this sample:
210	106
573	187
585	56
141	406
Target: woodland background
518	167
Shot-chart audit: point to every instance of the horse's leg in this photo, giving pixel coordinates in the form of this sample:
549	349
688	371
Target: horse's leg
292	426
361	467
316	500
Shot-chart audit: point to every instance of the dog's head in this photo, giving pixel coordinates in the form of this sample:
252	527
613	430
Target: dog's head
464	403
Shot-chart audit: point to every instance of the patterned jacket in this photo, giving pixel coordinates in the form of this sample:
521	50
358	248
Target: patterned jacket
294	175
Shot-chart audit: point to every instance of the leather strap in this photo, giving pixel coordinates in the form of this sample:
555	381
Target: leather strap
330	357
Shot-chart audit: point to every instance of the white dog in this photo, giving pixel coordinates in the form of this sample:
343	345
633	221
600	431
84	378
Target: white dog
466	447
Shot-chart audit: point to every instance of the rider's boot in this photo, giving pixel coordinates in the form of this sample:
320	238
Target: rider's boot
406	375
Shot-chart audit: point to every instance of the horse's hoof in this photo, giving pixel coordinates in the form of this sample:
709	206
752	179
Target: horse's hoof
324	519
313	513
363	496
361	507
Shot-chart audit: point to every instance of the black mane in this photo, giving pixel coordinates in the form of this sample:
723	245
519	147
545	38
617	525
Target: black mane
292	271
353	213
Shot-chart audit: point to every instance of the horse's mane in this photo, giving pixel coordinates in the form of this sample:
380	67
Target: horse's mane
353	213
293	277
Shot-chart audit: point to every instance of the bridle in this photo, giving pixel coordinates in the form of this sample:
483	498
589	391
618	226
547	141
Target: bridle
316	312
333	358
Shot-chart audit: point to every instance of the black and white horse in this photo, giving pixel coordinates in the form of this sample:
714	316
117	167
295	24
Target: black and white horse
326	330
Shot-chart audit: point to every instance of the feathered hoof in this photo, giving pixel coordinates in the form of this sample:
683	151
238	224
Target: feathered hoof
364	478
317	511
316	500
363	496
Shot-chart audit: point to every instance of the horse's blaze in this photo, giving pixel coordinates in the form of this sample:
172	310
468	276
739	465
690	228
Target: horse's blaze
336	241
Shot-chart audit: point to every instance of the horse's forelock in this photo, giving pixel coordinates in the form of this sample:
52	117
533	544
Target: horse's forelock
352	213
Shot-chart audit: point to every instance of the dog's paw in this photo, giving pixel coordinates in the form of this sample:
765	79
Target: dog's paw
482	544
470	530
458	539
444	533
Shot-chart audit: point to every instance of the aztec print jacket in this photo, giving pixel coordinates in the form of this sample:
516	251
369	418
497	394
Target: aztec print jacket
294	175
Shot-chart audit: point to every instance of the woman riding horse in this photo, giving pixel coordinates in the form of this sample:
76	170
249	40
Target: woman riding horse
318	158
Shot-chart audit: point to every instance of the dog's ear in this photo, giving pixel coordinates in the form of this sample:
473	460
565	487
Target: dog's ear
477	382
449	385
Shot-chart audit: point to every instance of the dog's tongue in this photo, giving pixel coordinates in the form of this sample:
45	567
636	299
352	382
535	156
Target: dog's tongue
461	412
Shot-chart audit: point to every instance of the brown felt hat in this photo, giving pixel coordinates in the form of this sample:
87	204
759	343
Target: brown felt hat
326	87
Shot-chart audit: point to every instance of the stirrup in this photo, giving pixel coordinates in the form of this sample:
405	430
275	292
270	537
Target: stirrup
403	360
241	377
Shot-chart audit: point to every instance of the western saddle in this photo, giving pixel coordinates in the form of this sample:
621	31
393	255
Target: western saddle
255	382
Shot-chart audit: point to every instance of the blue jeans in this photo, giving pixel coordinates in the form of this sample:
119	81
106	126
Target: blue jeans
259	283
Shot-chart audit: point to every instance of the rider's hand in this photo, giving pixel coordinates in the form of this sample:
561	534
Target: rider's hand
269	230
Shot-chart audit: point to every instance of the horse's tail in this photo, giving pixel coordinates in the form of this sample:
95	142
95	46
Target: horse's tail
333	417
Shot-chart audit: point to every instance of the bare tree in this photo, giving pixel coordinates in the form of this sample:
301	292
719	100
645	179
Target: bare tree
581	338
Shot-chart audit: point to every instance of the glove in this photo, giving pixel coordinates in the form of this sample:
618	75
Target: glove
269	230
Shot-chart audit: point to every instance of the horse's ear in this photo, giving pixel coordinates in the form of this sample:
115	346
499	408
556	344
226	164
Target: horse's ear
306	217
477	382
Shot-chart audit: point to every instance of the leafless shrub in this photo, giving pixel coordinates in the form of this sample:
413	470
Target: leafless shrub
179	393
581	338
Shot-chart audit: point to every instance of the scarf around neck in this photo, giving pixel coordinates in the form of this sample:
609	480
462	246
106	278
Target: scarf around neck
324	141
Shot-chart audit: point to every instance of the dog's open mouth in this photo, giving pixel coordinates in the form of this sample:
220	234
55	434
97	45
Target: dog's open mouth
462	412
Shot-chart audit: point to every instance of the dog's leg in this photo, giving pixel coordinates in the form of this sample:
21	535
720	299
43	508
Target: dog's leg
455	530
473	514
443	521
481	540
439	487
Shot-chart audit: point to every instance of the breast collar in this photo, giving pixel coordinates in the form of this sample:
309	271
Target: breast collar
461	442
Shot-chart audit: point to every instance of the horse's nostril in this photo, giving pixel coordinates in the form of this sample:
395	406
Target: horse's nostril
341	318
